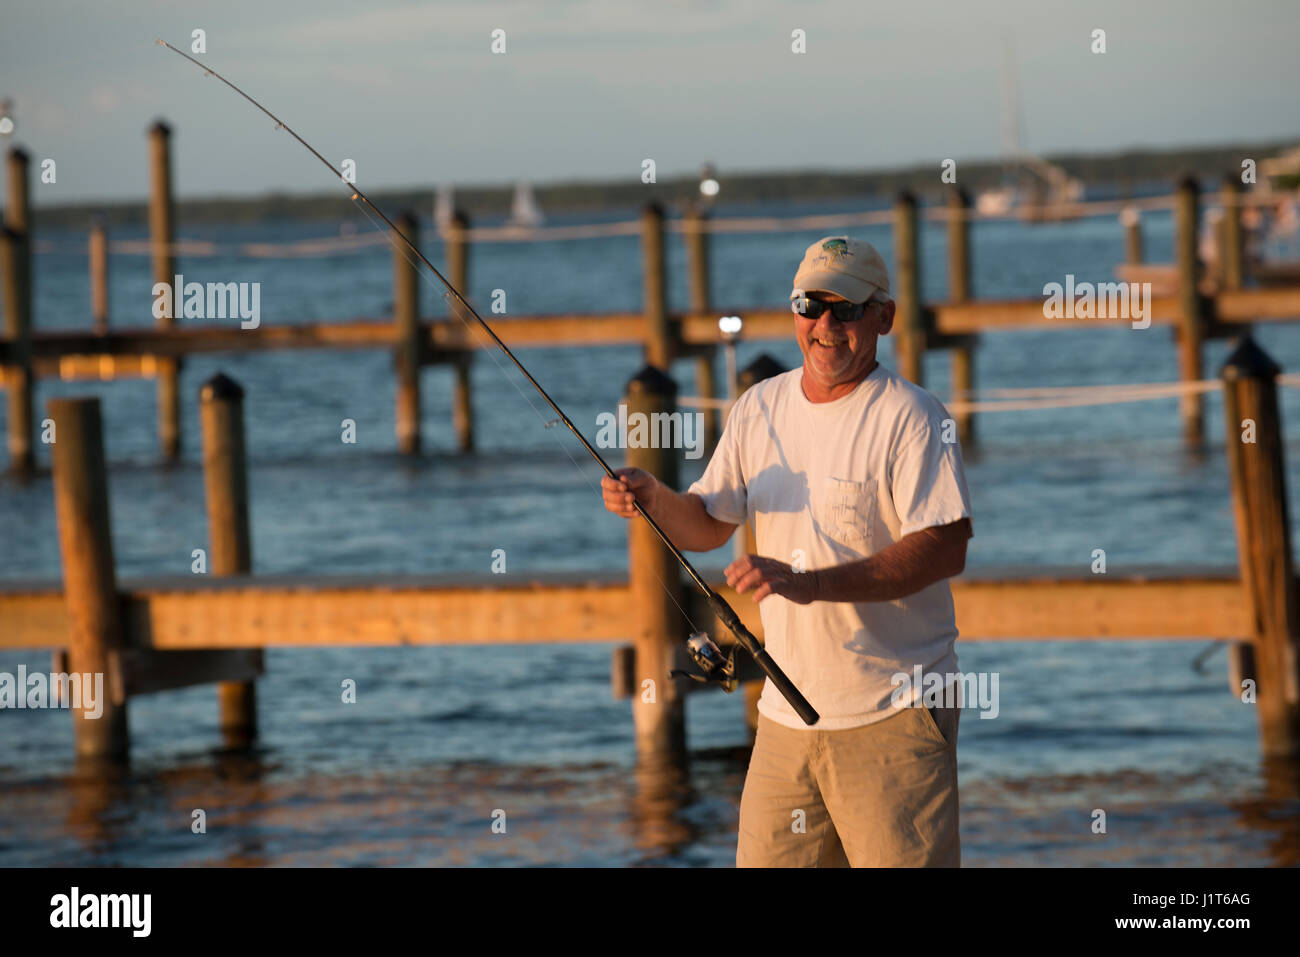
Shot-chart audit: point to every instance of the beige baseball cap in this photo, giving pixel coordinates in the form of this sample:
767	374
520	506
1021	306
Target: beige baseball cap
846	267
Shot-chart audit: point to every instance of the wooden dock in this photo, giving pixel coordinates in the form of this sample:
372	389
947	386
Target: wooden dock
153	635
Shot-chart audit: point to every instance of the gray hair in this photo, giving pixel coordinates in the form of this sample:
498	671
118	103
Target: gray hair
879	297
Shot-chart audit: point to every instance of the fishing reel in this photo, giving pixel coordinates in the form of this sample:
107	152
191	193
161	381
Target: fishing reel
718	668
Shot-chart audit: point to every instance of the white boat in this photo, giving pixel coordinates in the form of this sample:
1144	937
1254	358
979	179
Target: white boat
524	210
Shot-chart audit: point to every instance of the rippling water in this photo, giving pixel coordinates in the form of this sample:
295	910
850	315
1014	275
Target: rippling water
441	737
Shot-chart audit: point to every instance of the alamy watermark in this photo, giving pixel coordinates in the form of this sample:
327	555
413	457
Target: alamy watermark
978	689
1103	300
215	300
81	691
655	430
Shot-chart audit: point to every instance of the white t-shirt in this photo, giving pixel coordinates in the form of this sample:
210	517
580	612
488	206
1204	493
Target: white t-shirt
829	483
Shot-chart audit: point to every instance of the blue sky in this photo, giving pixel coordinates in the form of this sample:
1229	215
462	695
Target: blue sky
413	94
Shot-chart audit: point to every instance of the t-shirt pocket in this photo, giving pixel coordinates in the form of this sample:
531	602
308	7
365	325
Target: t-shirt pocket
849	513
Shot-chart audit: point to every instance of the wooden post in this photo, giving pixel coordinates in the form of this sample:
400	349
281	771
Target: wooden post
161	236
225	481
696	235
16	274
1231	246
18	211
406	318
15	277
462	409
1255	457
1131	220
659	341
89	578
657	709
99	277
963	356
763	367
697	264
908	320
1191	318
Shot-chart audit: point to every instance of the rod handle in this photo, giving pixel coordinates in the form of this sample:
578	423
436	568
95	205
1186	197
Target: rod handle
727	615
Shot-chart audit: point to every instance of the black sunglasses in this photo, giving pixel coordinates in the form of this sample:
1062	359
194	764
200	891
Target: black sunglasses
840	311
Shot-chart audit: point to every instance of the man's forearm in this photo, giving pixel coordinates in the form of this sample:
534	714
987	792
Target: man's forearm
904	568
687	522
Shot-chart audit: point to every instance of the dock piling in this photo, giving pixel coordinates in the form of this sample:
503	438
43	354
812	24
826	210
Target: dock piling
1264	541
406	317
909	330
660	344
89	577
1231	247
162	237
1131	220
98	250
15	276
658	710
225	481
462	409
1191	309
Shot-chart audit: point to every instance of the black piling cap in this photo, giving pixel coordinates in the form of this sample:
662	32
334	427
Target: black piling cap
1188	180
160	126
654	207
1249	361
652	380
19	154
906	197
221	386
763	367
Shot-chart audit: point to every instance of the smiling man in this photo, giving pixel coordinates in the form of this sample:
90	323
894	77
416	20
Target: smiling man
854	481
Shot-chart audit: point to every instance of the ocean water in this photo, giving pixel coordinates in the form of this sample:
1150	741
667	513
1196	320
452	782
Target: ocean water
441	738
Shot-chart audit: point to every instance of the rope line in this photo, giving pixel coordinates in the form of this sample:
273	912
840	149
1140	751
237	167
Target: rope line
330	245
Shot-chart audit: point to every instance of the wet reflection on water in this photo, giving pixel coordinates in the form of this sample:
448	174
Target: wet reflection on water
599	814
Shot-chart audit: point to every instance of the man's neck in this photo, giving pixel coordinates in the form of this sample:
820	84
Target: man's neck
837	391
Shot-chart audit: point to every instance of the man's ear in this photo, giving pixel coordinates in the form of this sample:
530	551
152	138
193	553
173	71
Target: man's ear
887	317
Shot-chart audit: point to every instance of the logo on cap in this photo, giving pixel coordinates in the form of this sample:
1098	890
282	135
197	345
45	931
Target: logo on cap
837	249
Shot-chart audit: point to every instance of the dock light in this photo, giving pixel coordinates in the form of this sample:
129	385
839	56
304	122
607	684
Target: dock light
730	326
709	187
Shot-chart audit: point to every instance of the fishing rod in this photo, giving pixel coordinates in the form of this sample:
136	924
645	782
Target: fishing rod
717	668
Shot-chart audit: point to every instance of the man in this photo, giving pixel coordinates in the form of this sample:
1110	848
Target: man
854	481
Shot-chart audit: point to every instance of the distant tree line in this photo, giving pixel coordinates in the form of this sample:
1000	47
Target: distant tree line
1120	170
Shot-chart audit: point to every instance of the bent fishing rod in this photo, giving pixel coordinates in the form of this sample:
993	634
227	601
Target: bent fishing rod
717	668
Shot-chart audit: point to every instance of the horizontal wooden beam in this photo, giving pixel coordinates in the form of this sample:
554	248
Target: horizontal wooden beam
269	611
134	352
145	671
1257	305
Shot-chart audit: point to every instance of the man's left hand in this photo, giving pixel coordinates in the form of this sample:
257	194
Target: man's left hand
767	576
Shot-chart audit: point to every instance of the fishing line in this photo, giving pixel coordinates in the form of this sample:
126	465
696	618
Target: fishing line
452	308
702	649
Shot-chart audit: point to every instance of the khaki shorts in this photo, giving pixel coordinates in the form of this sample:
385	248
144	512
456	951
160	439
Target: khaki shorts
882	795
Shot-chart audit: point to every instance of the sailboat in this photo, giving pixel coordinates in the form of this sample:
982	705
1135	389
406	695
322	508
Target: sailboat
524	210
1032	188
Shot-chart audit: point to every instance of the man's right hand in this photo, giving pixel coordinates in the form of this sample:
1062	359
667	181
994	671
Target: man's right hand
631	485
